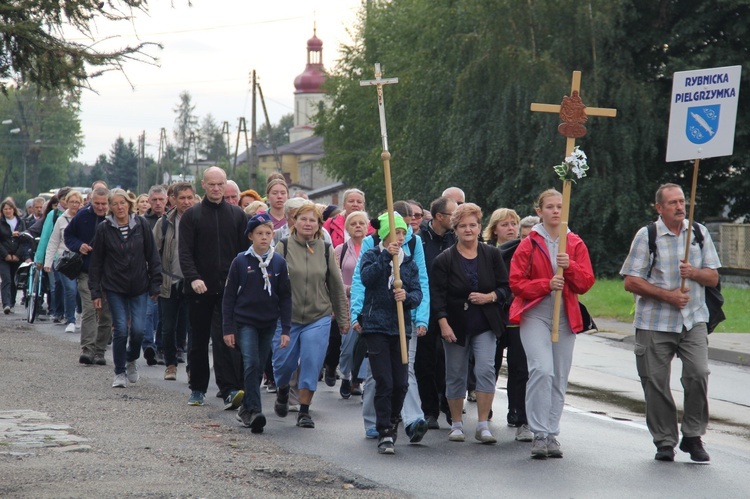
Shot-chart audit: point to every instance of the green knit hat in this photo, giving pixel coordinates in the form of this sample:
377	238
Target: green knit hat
385	228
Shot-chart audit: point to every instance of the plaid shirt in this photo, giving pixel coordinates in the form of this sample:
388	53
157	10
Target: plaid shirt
656	315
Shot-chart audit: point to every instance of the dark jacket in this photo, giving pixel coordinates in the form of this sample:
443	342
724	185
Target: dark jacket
13	245
450	289
433	244
211	235
151	218
130	267
379	308
80	231
249	304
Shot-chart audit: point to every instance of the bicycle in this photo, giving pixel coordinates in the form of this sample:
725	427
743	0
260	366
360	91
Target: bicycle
31	280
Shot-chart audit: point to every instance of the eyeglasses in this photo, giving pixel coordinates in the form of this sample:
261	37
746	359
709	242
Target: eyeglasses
417	215
446	214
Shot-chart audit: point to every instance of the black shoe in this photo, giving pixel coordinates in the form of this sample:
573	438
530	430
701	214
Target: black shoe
448	417
385	445
253	420
346	389
665	453
180	356
394	430
694	447
160	358
281	407
513	418
100	361
432	423
330	376
86	358
305	421
150	355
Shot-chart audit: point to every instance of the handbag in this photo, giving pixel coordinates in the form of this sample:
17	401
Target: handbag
69	264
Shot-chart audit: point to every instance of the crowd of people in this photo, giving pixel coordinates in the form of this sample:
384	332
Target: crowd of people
289	293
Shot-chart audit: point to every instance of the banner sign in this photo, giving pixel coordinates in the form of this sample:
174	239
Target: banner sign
703	113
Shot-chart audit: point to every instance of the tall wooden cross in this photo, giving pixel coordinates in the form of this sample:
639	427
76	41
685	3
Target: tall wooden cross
378	82
573	114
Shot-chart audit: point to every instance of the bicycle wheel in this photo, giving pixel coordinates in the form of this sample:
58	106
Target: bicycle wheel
32	308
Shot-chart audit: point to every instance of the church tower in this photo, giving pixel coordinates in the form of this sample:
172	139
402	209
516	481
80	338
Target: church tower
309	97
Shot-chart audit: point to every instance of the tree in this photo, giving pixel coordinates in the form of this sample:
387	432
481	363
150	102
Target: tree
99	170
33	48
185	128
122	165
468	72
47	136
279	132
212	144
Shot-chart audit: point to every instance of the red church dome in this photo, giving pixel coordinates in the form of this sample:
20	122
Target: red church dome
311	80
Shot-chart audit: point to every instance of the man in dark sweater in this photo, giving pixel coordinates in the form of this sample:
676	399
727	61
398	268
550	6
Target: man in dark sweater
211	235
429	363
79	236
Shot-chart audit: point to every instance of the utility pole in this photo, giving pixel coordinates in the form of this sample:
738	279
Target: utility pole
227	138
253	170
276	157
161	156
241	128
141	170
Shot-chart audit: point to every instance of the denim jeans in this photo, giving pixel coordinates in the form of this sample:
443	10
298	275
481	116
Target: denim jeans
58	295
122	308
152	319
174	322
255	345
70	291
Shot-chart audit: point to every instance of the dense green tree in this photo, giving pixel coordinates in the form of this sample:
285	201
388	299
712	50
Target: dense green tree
99	170
185	129
279	133
468	71
212	145
46	136
34	50
122	165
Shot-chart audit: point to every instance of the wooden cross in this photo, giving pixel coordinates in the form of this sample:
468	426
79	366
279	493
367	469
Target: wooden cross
573	114
378	82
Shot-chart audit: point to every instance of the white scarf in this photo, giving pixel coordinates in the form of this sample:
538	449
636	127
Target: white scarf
400	261
263	262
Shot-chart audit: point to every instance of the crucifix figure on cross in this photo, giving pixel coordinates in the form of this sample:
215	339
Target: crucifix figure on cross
378	82
573	114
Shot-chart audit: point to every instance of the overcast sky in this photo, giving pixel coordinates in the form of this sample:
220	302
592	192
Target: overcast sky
209	50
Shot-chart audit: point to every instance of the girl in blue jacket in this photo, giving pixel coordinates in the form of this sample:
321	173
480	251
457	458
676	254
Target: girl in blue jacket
380	323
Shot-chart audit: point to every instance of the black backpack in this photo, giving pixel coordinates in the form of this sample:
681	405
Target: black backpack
714	299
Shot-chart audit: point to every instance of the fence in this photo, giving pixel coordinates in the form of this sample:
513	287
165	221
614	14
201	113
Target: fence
735	246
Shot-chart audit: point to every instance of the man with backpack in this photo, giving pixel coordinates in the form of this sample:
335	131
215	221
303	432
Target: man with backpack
671	320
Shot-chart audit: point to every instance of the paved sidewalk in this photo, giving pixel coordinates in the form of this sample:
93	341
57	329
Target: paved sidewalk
724	347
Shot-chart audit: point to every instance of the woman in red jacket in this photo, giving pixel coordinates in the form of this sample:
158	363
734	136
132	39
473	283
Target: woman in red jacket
533	282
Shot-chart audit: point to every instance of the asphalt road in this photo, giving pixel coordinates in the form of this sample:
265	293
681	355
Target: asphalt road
145	440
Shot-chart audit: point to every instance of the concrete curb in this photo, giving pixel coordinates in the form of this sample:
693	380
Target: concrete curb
733	348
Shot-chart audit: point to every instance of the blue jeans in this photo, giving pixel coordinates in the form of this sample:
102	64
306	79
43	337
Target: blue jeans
306	350
152	319
70	291
255	345
122	308
58	296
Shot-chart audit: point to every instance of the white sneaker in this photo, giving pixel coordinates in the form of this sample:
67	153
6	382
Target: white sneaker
456	435
70	328
132	371
121	381
523	434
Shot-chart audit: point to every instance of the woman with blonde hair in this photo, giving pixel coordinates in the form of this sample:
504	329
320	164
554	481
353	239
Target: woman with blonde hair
125	266
142	205
317	290
502	227
534	281
55	248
